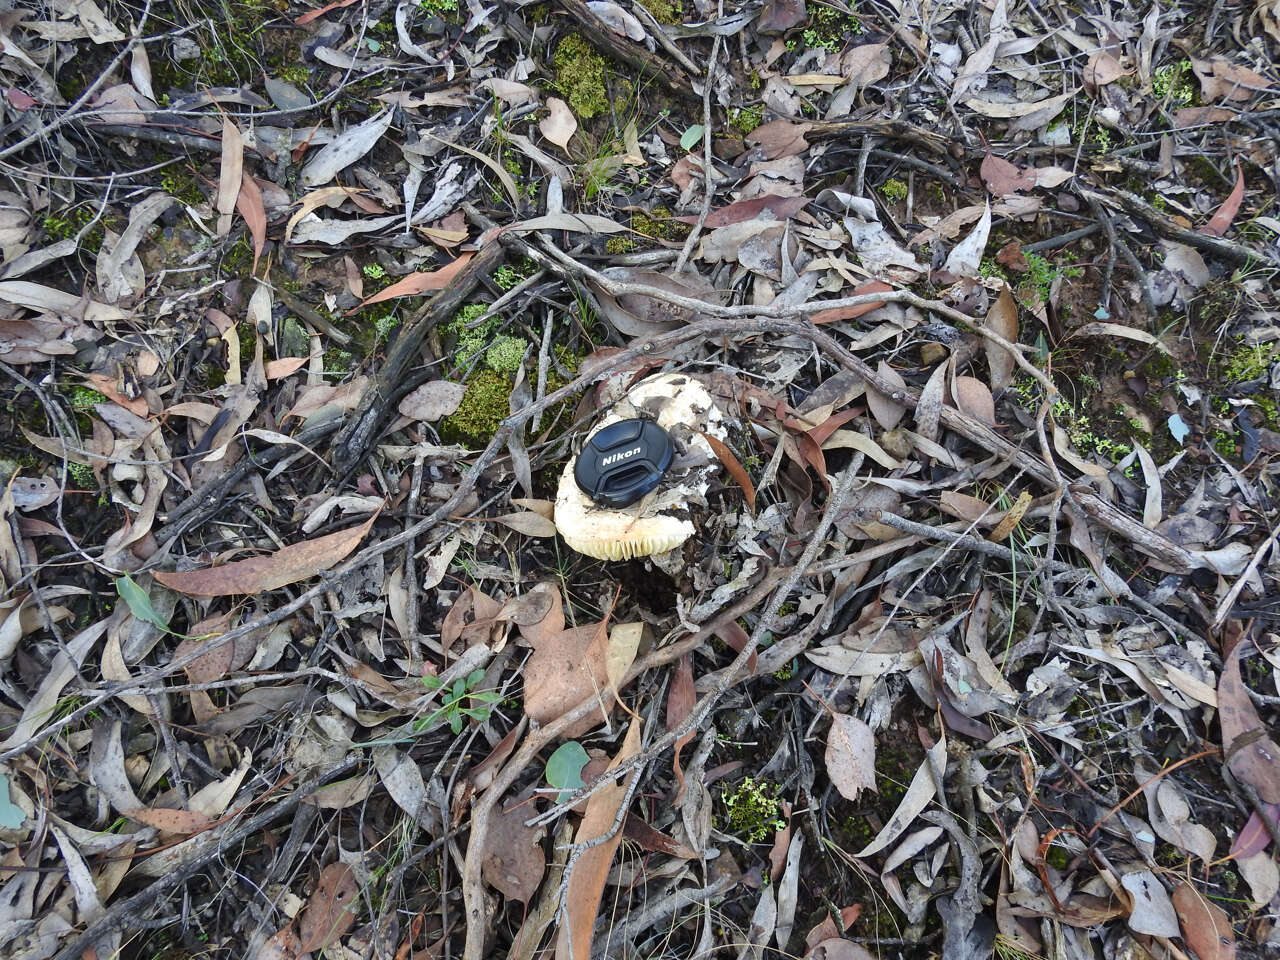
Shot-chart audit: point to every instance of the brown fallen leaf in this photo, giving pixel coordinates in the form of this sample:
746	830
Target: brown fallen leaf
513	858
221	660
565	670
559	125
230	174
169	820
298	561
680	700
851	756
330	911
417	282
433	400
1251	755
1220	222
1002	318
586	883
849	313
317	14
735	468
782	208
250	206
1205	927
1003	178
550	624
1012	518
973	397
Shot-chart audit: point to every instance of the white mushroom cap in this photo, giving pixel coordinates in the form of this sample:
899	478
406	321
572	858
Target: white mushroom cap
660	521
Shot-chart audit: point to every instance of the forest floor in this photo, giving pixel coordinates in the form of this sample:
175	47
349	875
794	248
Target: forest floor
305	313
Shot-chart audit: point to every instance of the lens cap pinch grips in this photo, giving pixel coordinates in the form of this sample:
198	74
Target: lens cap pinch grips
623	461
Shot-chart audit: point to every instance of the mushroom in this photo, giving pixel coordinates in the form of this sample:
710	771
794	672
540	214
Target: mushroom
664	518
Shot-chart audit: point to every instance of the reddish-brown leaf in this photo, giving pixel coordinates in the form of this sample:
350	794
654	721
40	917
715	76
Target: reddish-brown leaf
513	859
419	282
586	883
564	671
973	397
1003	178
169	820
1254	837
298	561
250	206
1251	755
316	14
736	469
1002	318
848	313
680	700
1220	222
331	910
781	207
1205	927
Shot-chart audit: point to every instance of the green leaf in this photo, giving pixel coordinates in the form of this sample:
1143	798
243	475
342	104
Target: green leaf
564	767
691	136
139	603
474	677
11	815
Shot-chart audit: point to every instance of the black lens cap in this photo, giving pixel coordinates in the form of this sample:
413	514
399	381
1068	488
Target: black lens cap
623	462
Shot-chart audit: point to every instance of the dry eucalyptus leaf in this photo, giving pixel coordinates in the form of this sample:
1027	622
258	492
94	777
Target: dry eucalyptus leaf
886	411
290	564
1205	927
851	756
973	397
330	911
529	523
1002	318
513	858
432	401
559	125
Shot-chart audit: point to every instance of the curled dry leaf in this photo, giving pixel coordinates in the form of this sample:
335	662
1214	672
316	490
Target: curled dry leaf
330	911
298	561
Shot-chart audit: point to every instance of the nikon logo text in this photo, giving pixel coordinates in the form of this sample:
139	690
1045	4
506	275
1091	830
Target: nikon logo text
615	457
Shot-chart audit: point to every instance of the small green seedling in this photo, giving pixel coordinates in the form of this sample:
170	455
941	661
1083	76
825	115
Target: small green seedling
564	768
140	604
459	702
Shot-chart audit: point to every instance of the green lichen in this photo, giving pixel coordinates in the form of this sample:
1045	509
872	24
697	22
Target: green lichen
619	243
82	476
84	398
664	11
180	183
895	191
484	406
506	354
659	225
830	28
746	119
1175	82
1250	362
580	76
751	809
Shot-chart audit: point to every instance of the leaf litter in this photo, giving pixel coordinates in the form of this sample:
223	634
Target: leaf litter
292	650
